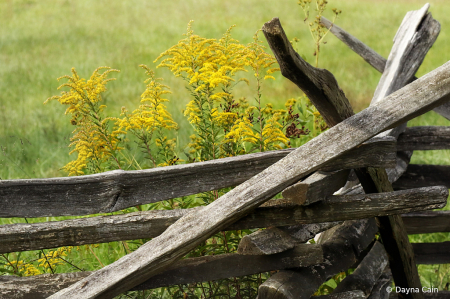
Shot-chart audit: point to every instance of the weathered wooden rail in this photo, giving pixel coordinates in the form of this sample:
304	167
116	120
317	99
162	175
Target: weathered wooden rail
321	194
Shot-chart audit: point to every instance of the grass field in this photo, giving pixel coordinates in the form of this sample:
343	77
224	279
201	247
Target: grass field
42	40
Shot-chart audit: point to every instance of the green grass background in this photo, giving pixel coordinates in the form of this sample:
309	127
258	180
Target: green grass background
42	40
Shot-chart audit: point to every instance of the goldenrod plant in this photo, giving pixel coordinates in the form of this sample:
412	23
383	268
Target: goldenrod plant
318	32
150	122
46	262
96	144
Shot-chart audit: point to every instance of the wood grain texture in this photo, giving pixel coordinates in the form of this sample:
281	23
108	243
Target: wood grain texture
427	222
316	187
344	295
403	159
278	239
150	224
192	229
318	84
379	291
424	138
395	239
367	273
375	152
414	38
432	253
398	67
265	242
186	271
305	232
419	175
371	56
437	295
340	252
115	190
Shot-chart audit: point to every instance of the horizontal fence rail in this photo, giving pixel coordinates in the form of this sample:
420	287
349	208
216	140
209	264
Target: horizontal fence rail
419	175
116	190
150	224
186	271
427	222
424	138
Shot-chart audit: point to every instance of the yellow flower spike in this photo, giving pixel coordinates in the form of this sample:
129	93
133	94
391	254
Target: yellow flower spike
83	100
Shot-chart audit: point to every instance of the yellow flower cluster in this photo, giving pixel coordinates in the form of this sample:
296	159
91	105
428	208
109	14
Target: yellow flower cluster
23	268
152	113
47	261
205	63
93	141
152	116
272	136
54	258
82	94
259	60
209	66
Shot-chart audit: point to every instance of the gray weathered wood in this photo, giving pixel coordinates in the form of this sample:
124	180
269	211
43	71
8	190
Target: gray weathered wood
427	222
340	252
418	175
403	159
115	190
278	239
269	241
444	110
305	232
367	273
192	229
414	38
372	57
412	41
344	295
316	187
424	138
37	287
318	84
430	295
379	290
150	224
395	239
432	253
376	152
275	240
368	54
186	271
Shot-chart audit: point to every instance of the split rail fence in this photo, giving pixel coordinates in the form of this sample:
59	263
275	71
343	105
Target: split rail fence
349	183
